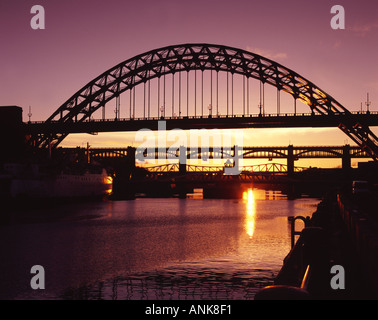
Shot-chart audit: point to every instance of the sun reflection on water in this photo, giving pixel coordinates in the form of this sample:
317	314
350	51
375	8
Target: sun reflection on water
250	219
108	183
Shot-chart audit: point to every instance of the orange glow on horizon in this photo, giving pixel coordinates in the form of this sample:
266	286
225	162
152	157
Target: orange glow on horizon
261	137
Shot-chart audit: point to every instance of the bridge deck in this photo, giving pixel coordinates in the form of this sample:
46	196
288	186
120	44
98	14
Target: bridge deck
199	122
248	152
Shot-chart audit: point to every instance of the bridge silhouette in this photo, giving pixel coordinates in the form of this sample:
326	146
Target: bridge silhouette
286	120
179	72
312	152
175	163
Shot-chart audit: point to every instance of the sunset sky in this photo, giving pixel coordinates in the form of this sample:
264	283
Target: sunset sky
83	38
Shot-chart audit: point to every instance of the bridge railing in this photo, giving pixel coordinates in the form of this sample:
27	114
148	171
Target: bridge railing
260	168
221	116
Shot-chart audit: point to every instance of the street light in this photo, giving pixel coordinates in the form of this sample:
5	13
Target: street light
162	111
30	114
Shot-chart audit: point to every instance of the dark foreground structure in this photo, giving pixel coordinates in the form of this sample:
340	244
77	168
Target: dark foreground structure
335	256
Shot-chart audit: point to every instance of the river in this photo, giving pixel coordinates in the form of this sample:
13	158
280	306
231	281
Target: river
160	249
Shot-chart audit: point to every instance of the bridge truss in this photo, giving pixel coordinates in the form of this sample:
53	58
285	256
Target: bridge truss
260	168
178	59
299	152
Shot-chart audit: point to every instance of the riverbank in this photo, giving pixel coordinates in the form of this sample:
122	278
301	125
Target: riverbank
340	236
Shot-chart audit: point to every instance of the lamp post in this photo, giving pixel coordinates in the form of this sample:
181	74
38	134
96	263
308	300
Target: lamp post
30	114
162	109
210	107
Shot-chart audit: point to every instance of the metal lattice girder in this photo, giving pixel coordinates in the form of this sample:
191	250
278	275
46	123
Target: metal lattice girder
187	57
268	168
363	136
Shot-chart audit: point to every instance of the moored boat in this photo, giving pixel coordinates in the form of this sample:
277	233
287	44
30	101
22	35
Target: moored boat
31	182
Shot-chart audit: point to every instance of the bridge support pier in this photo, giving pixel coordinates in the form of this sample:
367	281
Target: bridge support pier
346	159
290	160
123	183
130	158
182	160
182	171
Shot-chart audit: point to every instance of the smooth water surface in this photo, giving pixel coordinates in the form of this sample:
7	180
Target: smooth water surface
151	248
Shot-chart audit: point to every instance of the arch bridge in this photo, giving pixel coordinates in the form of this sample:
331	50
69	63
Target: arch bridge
172	84
291	153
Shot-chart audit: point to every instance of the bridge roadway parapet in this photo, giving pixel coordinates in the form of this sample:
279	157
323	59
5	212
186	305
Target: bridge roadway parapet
199	122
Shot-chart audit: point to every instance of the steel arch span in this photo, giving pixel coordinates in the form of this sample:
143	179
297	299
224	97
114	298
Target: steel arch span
200	56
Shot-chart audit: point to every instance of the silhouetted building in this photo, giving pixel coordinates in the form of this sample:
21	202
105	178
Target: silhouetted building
11	135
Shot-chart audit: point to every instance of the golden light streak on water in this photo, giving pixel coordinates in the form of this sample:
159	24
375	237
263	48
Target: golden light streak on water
108	181
250	218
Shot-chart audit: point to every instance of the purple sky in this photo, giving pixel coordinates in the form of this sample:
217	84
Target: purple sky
83	38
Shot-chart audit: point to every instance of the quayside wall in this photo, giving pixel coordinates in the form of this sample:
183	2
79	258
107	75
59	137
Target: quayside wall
341	232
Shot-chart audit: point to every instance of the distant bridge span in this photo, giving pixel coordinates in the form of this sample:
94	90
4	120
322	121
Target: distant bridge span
290	153
140	70
299	152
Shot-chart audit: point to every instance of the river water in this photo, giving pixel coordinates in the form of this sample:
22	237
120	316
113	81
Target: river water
148	248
